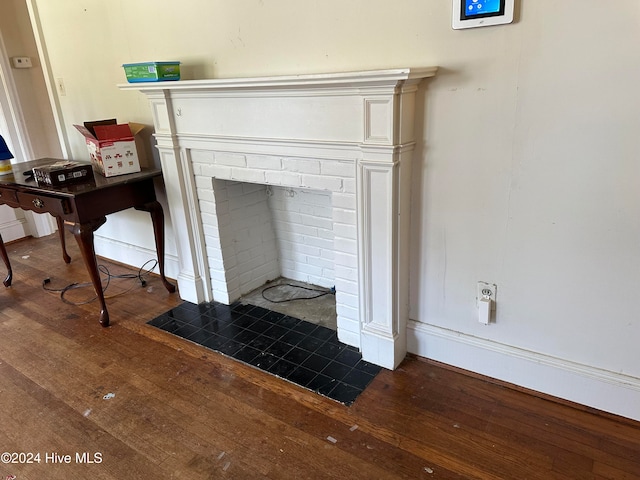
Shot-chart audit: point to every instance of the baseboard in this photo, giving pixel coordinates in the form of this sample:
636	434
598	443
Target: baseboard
594	387
133	255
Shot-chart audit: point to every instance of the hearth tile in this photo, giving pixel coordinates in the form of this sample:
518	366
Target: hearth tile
260	326
324	384
214	342
316	363
279	348
244	321
245	336
199	336
263	361
336	370
273	317
367	367
230	348
288	322
303	353
159	321
329	349
282	368
345	393
292	337
305	327
324	333
348	357
185	330
261	342
302	376
310	343
246	354
276	331
296	355
358	379
230	330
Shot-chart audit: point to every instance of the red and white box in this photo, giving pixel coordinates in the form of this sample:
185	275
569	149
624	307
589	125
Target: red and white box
112	146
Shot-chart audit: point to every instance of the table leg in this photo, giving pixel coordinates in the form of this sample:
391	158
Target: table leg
63	244
157	218
5	257
84	236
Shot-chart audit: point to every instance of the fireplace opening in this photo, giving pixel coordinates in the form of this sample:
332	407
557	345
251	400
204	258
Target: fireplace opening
275	246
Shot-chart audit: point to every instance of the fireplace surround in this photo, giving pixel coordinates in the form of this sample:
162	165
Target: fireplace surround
350	135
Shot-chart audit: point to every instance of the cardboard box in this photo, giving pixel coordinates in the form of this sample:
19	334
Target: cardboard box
112	146
63	173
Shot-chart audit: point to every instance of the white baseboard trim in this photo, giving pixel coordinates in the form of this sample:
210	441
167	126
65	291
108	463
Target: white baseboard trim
594	387
133	255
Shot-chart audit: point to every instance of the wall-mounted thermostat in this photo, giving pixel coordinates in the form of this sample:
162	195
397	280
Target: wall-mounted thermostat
481	13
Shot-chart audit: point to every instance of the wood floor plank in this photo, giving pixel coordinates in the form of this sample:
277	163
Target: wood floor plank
182	411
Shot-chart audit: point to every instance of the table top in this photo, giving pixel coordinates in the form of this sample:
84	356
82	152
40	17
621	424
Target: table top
20	181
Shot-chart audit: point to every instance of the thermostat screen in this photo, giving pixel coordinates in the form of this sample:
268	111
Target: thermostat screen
481	8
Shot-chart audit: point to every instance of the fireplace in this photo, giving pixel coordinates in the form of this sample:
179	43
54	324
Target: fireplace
345	137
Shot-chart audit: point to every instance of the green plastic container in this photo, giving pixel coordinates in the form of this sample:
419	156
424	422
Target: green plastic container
152	71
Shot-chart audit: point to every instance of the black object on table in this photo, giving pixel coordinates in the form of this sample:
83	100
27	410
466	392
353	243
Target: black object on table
82	208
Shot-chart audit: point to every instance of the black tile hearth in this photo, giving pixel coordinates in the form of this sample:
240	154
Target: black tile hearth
303	353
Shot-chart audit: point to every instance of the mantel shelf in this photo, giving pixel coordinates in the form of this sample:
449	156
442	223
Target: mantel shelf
350	79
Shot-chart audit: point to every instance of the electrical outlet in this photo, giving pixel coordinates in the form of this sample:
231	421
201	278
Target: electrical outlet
21	62
487	290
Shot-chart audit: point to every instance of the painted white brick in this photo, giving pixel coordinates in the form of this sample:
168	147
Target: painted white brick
289	227
346	273
343	245
264	162
346	286
206	194
323	243
202	156
344	200
344	310
345	231
341	215
349	185
323	223
283	178
214	171
326	265
247	175
301	165
348	300
332	184
204	183
231	159
207	207
345	260
338	169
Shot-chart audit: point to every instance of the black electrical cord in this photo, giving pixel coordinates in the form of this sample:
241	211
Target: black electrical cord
321	294
106	281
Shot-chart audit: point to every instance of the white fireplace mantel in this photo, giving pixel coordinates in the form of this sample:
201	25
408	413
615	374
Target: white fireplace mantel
348	133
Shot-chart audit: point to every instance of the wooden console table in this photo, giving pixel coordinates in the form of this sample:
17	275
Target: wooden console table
82	209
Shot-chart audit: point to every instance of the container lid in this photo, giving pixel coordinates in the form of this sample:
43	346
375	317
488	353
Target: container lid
149	63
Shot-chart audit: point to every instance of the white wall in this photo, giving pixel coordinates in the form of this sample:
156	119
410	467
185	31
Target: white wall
528	168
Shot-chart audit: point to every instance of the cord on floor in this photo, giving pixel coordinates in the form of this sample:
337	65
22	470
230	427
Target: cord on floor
106	281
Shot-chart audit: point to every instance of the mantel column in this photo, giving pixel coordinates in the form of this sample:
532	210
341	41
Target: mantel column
383	184
193	280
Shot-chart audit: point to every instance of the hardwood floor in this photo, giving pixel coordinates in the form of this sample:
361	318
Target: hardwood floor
181	411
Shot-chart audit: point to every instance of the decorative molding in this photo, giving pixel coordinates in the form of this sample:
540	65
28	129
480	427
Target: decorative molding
598	388
361	117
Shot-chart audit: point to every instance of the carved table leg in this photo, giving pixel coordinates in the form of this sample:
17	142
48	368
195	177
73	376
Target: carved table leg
63	244
157	218
5	257
84	236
